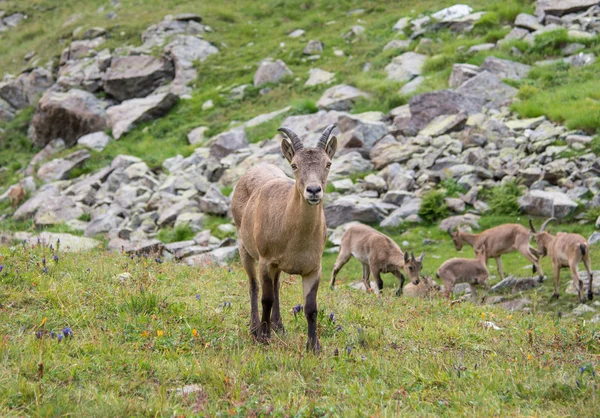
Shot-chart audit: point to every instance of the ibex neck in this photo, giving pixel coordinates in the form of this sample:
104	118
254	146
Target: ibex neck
469	238
547	239
305	216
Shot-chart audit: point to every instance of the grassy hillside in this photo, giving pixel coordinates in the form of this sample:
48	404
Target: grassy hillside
137	337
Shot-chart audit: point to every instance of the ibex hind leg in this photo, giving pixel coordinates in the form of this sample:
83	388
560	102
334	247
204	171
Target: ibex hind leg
250	266
266	274
276	321
340	262
588	268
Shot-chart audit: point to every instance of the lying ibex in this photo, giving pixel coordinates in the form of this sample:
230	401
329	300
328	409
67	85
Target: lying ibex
377	254
281	225
16	195
426	287
502	239
465	270
565	250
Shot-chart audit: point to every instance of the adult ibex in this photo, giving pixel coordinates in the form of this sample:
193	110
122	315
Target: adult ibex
502	239
281	225
565	250
378	254
465	270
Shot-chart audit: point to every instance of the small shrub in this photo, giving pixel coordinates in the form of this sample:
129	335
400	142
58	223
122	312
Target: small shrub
592	214
304	107
504	199
180	233
452	188
595	145
527	91
550	43
438	63
433	206
85	217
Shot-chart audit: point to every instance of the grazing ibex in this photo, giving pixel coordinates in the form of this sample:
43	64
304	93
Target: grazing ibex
378	254
281	225
16	195
502	239
426	287
465	270
565	250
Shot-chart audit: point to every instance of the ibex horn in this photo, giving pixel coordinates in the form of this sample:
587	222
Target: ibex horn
323	140
531	225
296	143
412	256
545	224
421	257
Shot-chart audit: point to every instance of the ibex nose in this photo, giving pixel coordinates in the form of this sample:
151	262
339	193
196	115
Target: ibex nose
314	189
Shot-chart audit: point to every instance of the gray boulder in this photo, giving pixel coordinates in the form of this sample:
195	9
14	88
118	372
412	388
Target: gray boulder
408	208
313	47
462	73
405	67
196	135
271	72
385	153
124	117
489	88
454	221
68	243
547	203
136	76
60	168
68	116
505	68
317	76
347	164
96	141
228	142
7	112
28	209
562	7
527	21
359	133
345	210
340	97
58	210
213	202
27	88
427	106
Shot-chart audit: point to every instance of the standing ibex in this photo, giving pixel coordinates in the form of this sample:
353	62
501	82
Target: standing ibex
378	254
16	195
565	250
502	239
465	270
281	225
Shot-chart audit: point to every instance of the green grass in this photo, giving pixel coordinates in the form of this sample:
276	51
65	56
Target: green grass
504	199
139	338
174	234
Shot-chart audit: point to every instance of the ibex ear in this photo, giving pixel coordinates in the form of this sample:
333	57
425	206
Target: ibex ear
287	149
406	257
331	146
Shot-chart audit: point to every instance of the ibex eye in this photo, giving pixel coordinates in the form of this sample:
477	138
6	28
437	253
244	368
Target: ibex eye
328	165
294	167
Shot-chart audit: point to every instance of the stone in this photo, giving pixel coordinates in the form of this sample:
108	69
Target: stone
60	168
345	210
444	124
359	133
7	112
594	238
522	124
142	246
317	76
488	87
196	135
68	243
355	32
527	21
462	73
68	116
58	210
451	223
411	86
515	34
260	119
573	48
340	97
401	24
481	47
213	202
271	72
96	141
28	209
397	197
405	67
94	32
516	304
102	224
228	142
347	164
84	74
562	7
453	12
397	44
136	76
547	203
580	60
80	49
124	117
410	207
26	89
427	106
384	154
313	47
455	205
296	33
582	310
505	68
221	256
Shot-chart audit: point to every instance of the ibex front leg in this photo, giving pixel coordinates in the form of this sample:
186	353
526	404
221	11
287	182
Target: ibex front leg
268	297
276	321
310	287
250	266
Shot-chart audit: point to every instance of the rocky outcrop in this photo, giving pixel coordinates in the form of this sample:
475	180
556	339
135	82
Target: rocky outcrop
136	76
123	117
69	116
271	72
60	168
340	97
26	89
405	67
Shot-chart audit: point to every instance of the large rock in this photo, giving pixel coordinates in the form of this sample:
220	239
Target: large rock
136	76
228	142
358	133
68	243
213	202
444	124
405	67
505	68
453	12
385	153
318	76
86	74
80	48
462	73
347	164
68	116
545	203
58	210
271	72
28	209
489	88
221	256
125	116
562	7
528	22
454	221
7	112
60	168
26	89
96	141
427	106
345	210
408	208
313	47
340	97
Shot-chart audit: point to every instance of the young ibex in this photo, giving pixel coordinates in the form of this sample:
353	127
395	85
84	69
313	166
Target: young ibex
16	195
281	225
426	287
465	270
377	254
502	239
565	250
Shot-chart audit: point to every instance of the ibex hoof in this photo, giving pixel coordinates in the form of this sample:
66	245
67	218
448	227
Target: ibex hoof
315	347
555	296
278	328
590	296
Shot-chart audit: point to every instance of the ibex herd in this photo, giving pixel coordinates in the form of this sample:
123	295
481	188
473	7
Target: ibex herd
281	227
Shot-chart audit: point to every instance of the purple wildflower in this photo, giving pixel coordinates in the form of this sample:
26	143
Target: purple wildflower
348	350
197	297
229	269
363	357
332	317
68	332
55	258
158	260
39	334
52	334
60	336
297	309
45	270
336	352
581	369
338	328
89	269
1	268
578	384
